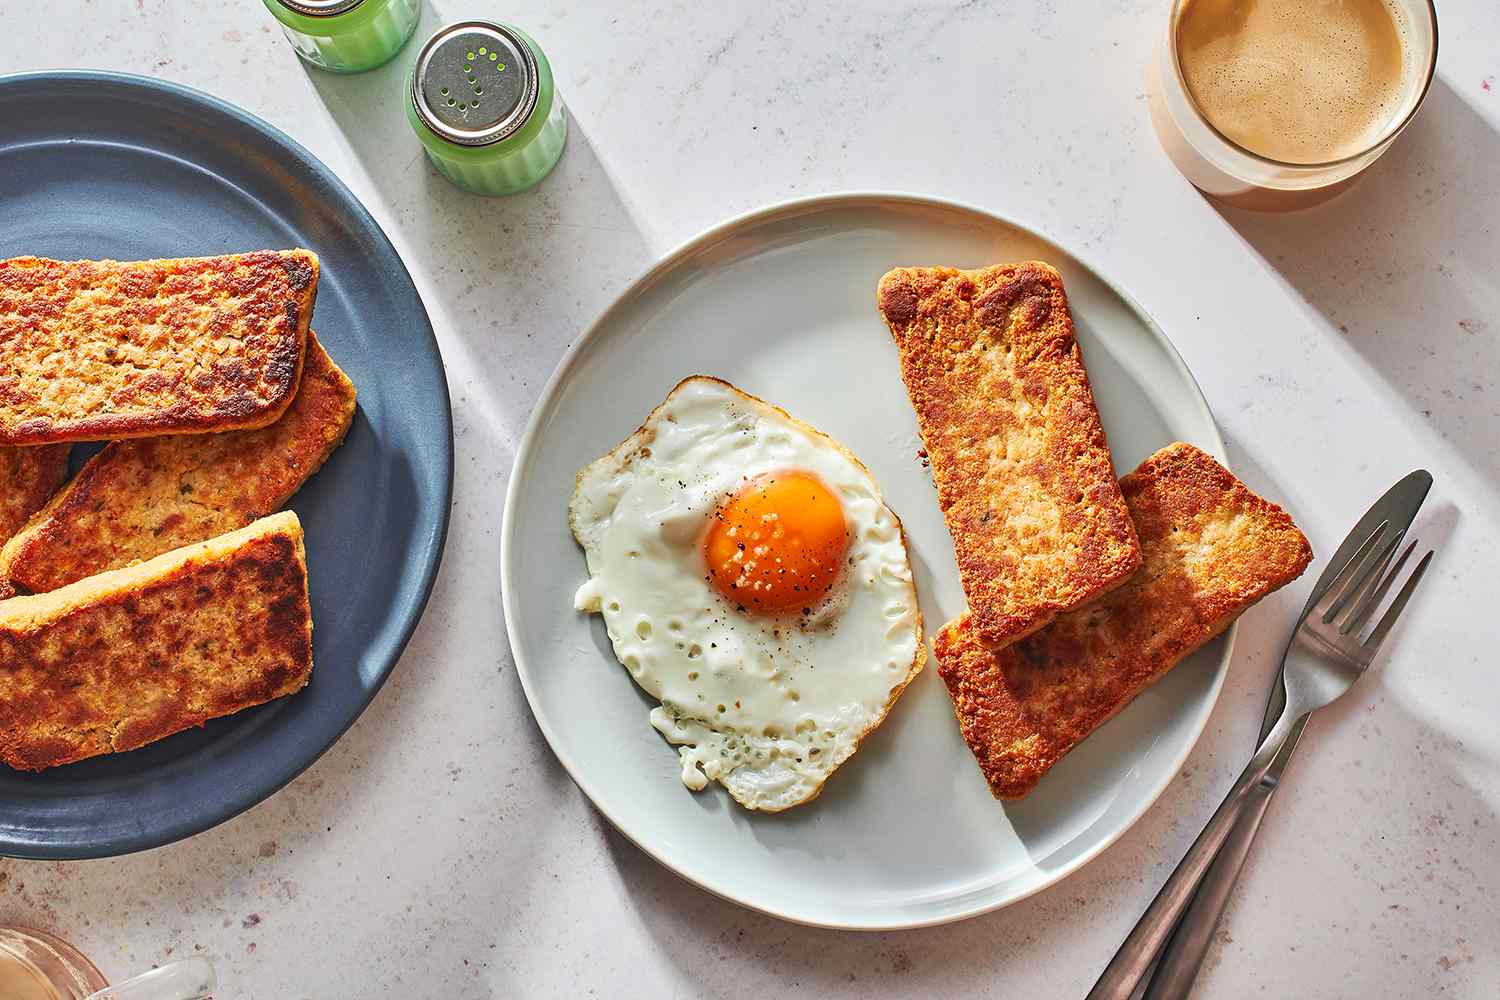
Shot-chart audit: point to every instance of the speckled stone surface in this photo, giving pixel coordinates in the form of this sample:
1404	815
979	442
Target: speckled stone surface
440	851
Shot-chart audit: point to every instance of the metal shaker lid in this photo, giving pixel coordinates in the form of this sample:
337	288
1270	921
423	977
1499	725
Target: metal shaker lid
475	83
320	8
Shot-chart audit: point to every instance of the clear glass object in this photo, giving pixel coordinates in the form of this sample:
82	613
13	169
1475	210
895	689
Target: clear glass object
35	965
1219	166
346	36
482	100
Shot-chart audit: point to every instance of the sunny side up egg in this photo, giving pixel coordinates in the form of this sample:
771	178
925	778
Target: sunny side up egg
754	582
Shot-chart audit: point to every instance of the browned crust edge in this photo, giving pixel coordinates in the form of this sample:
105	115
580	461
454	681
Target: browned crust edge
41	471
275	555
1165	492
41	533
284	371
1034	292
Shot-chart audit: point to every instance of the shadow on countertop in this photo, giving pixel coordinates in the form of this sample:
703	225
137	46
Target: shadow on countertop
1380	262
558	251
510	283
1427	859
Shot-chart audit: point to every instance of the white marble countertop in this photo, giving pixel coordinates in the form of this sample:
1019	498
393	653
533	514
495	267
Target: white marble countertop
440	851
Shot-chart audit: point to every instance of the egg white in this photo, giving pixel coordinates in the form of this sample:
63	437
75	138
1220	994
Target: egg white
768	706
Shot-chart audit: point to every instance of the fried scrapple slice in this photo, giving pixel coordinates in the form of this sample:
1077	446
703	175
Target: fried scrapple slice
1018	454
130	656
95	350
138	498
28	476
1212	548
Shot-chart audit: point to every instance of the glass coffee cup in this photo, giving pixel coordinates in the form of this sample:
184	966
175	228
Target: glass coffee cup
1280	103
35	965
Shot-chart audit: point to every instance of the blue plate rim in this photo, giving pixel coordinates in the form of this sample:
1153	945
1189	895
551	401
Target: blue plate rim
304	159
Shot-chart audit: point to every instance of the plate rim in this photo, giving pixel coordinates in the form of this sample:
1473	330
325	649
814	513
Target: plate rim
791	207
362	221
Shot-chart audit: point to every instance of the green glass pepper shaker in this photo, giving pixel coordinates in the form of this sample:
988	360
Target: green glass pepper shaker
346	36
480	97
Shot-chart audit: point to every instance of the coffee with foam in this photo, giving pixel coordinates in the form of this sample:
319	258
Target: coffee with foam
1299	81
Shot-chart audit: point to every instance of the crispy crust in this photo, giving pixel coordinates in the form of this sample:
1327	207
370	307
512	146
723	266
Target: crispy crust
138	498
1212	548
94	350
1018	454
28	476
127	657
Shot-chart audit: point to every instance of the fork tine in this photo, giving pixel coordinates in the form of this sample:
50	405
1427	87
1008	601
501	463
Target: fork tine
1368	573
1380	586
1323	609
1368	579
1397	606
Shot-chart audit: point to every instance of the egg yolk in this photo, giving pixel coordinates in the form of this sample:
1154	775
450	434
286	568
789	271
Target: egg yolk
778	544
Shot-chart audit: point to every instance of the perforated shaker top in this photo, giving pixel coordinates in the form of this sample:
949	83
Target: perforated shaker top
475	83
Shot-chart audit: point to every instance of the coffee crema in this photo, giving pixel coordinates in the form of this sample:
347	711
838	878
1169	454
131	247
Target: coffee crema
1300	81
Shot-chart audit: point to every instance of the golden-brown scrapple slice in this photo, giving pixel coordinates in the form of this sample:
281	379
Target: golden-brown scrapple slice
138	498
28	476
130	656
103	349
1022	468
1212	548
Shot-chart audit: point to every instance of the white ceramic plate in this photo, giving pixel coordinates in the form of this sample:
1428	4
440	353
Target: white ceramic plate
781	302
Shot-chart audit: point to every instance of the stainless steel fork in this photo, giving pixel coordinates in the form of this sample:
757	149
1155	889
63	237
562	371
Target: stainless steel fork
1183	955
1328	652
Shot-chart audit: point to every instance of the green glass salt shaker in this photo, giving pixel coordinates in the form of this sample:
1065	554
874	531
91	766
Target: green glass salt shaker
346	36
480	97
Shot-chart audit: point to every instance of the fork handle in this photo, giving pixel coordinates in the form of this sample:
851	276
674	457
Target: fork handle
1185	951
1132	962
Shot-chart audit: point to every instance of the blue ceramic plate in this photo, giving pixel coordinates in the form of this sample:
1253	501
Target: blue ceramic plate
134	169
